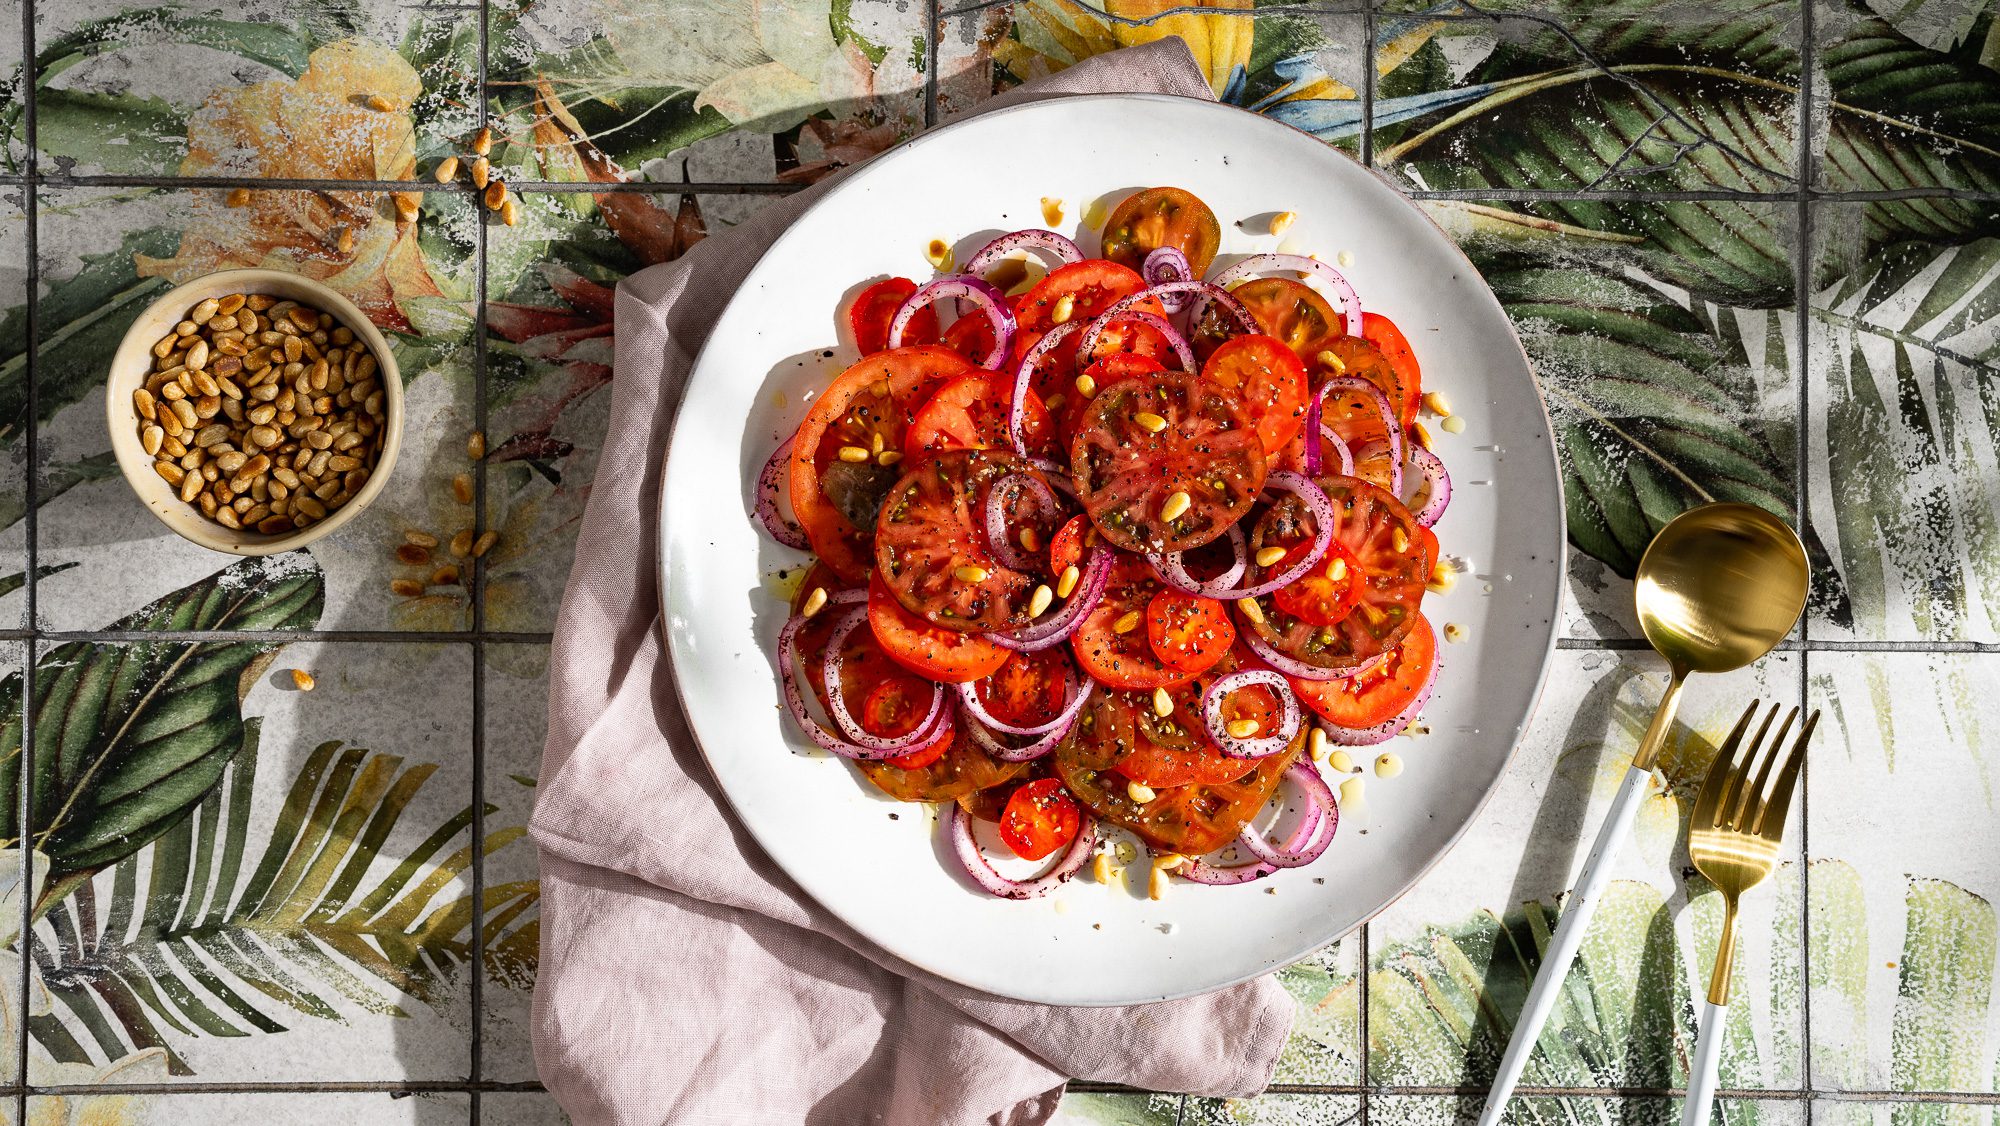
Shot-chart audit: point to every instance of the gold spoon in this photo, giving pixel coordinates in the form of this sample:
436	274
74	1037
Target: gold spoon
1718	588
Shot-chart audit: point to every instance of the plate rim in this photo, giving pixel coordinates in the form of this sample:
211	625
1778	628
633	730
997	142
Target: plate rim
1558	552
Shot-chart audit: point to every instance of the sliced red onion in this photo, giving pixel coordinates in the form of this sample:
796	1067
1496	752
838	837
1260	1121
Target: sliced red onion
1315	423
1341	384
1087	347
1056	628
1172	570
1075	689
1204	294
1390	728
1258	746
1436	490
1024	375
1165	264
770	486
836	698
1004	547
1297	669
988	298
1044	742
1350	303
795	702
1305	838
1308	779
1029	239
959	824
1322	514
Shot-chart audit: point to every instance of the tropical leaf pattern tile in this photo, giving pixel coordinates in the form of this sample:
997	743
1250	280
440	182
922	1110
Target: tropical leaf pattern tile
1750	246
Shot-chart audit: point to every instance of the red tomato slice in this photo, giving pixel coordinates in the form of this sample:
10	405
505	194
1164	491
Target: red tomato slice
1291	311
876	306
930	543
1402	360
1092	285
927	650
1030	689
1067	547
1355	355
1317	597
1200	444
1379	694
1135	339
1159	752
970	413
893	708
1187	632
1268	379
836	501
1158	217
1039	819
1123	660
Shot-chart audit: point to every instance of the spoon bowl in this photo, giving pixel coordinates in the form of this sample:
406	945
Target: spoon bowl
1720	586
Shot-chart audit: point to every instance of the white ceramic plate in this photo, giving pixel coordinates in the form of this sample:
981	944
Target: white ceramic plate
881	866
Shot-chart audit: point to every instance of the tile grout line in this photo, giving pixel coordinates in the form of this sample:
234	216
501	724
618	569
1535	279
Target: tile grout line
477	970
1367	145
933	30
1361	1023
30	494
1802	280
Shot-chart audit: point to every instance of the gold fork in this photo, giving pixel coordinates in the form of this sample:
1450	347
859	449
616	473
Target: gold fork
1739	820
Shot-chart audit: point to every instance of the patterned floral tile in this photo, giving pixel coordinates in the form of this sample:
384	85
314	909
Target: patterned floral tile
244	1109
1904	433
1275	1110
106	253
516	718
1905	870
263	882
11	875
298	89
1552	94
1451	961
1435	1110
742	92
1302	67
1325	1044
1835	1111
13	377
1089	1109
1669	371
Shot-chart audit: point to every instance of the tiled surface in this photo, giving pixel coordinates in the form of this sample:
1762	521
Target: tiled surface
1662	193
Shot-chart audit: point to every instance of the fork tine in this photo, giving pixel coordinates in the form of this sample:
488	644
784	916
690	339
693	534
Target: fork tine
1754	798
1736	786
1770	823
1720	769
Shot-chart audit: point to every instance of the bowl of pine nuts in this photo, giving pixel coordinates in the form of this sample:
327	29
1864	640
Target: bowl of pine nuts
254	411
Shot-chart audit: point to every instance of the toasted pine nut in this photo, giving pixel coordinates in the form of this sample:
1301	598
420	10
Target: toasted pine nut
1066	582
495	195
1100	868
475	445
461	487
408	588
1437	404
446	575
969	573
421	539
1156	883
1029	540
1421	433
482	141
1282	221
303	679
510	213
1176	506
1086	386
1140	792
1251	610
888	457
484	543
938	253
1152	422
853	454
1318	743
1241	728
1400	538
461	544
1163	704
1331	361
1064	310
237	197
1269	556
446	169
408	206
1038	602
1336	570
412	555
345	242
151	438
481	172
1128	622
815	602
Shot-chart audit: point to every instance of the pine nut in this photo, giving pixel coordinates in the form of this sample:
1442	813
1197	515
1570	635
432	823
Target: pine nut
968	573
1176	506
1126	623
1064	310
1251	610
1029	540
1156	883
1400	538
446	169
1437	404
303	680
1241	728
484	544
446	575
1066	582
420	539
408	588
475	445
1163	704
815	602
461	544
1038	602
938	254
144	403
380	104
482	141
1336	570
1086	386
1421	433
1282	221
888	457
151	438
1331	362
1318	744
854	454
1454	633
170	471
1140	792
1152	423
237	197
481	171
510	212
1270	556
409	205
495	194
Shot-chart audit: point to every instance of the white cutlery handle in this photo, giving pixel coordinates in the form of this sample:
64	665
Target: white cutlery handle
1707	1060
1564	943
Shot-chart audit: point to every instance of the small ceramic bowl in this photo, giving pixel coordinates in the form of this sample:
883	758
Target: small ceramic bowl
134	361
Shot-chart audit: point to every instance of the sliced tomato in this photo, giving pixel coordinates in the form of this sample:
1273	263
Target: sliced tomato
1092	285
1291	311
947	655
1383	545
1187	632
1123	660
1067	546
1379	694
1103	372
1134	338
971	337
1190	819
1268	379
930	543
1355	355
1325	595
963	769
893	708
1383	333
1157	217
970	413
1118	731
1125	471
1039	819
836	501
1030	689
868	318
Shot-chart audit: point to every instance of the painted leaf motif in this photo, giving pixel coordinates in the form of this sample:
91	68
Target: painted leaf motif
130	737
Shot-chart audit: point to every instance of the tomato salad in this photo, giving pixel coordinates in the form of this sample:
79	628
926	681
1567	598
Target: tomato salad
1091	551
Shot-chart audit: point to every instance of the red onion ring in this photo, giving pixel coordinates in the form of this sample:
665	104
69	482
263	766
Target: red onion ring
1204	293
1165	264
1171	570
988	298
1261	746
788	677
1088	345
1024	374
1390	728
1056	628
1003	546
1322	513
1345	383
1044	743
1315	423
1027	239
1074	689
770	486
836	698
958	823
1350	302
1436	482
1323	807
1303	839
1295	668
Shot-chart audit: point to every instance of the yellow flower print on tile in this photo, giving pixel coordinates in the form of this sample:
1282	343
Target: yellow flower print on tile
347	118
108	1108
1062	33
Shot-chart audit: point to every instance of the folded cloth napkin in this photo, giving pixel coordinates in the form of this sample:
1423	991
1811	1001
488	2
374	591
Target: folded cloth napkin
683	977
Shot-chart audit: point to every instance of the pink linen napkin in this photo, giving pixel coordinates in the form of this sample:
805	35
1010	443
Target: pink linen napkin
684	979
